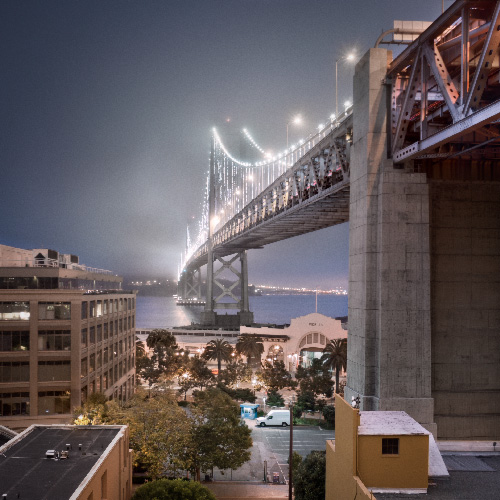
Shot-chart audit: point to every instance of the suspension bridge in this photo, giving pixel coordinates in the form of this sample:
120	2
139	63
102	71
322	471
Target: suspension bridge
414	166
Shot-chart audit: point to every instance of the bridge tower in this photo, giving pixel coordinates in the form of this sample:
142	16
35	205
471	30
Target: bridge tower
424	244
227	299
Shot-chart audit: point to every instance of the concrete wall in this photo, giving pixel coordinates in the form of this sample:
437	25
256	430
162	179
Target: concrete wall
465	242
389	358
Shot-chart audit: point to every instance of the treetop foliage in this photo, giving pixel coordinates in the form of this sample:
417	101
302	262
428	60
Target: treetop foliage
177	489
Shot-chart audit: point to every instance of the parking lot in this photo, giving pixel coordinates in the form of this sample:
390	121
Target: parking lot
271	445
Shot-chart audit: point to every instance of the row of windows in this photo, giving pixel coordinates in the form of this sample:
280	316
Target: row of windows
99	308
60	340
20	311
49	402
48	371
95	361
98	333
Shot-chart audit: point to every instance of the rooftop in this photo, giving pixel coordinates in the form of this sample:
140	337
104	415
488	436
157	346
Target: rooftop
26	472
390	423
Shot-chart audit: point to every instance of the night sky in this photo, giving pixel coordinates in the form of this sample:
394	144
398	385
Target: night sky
107	108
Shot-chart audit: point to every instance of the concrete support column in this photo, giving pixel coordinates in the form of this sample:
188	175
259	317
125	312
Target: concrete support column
389	341
244	282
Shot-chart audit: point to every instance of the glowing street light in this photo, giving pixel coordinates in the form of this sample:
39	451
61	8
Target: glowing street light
348	57
297	120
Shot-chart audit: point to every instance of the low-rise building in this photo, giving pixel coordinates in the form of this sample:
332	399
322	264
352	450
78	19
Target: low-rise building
379	451
67	463
66	331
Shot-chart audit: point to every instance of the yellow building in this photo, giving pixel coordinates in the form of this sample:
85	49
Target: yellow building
378	451
67	462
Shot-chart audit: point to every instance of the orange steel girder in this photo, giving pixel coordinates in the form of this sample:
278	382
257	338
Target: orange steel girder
446	87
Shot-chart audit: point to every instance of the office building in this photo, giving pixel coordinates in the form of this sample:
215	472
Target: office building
66	331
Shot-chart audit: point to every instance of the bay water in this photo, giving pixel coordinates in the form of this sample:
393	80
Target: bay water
163	312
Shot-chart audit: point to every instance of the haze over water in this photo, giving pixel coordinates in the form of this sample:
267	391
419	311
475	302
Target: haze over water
162	312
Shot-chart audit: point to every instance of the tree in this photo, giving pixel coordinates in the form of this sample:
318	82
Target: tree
235	372
166	361
93	412
219	438
251	346
296	461
316	379
274	398
309	481
335	358
200	375
275	377
177	489
159	432
220	350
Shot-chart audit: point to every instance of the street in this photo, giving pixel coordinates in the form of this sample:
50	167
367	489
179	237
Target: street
272	445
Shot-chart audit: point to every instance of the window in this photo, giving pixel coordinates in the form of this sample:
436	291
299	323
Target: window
15	403
99	333
49	371
14	371
106	355
14	311
14	341
99	309
105	331
92	309
83	369
53	402
54	310
110	307
92	335
85	307
84	337
390	446
105	307
92	363
54	340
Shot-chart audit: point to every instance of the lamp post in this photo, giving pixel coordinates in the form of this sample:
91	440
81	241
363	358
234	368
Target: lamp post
290	456
348	57
297	120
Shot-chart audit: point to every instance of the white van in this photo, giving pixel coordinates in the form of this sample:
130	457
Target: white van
275	417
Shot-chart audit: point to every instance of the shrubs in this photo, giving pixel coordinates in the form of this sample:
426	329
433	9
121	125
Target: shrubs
176	489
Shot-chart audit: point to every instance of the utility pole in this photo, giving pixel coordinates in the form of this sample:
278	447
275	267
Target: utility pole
290	456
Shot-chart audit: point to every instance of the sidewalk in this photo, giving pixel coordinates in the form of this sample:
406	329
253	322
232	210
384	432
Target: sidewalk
468	446
248	491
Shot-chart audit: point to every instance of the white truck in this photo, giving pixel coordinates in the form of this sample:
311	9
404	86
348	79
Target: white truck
275	417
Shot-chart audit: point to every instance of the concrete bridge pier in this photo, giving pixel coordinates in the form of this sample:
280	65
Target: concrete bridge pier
389	342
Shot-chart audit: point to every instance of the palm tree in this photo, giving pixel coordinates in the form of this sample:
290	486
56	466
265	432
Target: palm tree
250	345
218	349
335	358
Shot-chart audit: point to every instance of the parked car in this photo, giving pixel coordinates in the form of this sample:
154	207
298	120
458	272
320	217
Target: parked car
275	417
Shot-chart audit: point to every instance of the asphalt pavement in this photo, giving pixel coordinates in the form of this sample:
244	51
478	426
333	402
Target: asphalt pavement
271	445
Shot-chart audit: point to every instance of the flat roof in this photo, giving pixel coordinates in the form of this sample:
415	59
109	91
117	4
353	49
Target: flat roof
25	471
389	423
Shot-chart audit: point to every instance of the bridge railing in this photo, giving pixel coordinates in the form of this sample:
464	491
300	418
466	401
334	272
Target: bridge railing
318	168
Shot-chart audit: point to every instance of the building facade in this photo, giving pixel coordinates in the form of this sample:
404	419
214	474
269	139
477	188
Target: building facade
66	331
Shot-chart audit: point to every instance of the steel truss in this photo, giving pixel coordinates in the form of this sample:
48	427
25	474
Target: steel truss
446	87
311	195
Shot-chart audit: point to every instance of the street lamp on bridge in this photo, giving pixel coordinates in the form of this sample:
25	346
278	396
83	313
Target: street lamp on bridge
297	120
348	57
